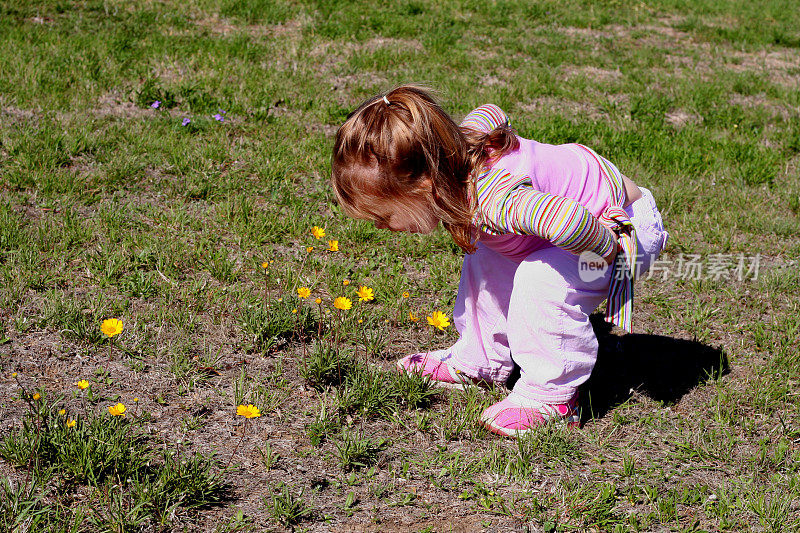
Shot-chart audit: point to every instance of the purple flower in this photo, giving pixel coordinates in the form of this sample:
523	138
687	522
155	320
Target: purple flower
219	117
155	104
185	122
221	111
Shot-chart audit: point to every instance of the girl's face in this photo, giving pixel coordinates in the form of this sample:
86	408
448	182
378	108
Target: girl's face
410	213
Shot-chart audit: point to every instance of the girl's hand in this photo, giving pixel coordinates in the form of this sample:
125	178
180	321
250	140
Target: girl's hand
610	258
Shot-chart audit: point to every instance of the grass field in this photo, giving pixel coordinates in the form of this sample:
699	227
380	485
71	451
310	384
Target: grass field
164	217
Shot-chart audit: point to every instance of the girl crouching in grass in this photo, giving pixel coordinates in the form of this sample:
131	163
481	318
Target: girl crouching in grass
549	231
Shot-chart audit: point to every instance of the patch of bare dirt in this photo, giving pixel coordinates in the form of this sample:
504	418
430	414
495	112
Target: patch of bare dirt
783	110
679	118
114	104
358	79
569	108
15	114
217	25
780	66
391	42
596	74
618	30
331	55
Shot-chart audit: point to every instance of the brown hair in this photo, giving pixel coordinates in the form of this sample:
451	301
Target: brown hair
386	151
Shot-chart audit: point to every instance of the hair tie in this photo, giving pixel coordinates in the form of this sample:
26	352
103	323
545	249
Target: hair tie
386	100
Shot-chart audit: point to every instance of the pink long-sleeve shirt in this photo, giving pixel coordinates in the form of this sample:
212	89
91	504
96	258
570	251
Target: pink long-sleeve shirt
541	195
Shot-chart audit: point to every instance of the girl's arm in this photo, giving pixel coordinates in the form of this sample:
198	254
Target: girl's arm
562	221
485	118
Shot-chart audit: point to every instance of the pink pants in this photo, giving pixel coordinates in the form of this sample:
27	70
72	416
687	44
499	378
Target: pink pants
535	313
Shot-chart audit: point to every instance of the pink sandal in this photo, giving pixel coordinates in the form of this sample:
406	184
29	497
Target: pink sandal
439	372
514	416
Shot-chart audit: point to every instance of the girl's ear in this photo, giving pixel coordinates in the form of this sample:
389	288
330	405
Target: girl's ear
425	185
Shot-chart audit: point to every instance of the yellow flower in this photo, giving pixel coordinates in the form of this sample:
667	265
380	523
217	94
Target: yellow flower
265	265
317	232
37	396
304	292
117	410
13	374
439	320
342	303
360	320
294	311
310	249
70	423
248	411
62	412
406	295
82	384
333	246
365	294
111	327
346	282
318	301
136	400
411	317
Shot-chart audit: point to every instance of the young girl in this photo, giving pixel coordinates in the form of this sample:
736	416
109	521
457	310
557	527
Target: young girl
550	232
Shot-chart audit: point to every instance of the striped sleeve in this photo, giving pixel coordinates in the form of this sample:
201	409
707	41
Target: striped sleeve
523	210
485	118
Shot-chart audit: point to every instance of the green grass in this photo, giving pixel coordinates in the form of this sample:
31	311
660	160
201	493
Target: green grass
111	208
136	481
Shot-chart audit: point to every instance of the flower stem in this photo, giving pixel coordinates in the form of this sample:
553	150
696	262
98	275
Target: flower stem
244	431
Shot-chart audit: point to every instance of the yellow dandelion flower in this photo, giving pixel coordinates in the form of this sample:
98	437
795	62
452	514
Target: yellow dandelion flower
13	374
365	294
360	321
117	410
412	317
310	249
342	303
111	327
439	320
136	400
265	265
82	384
248	411
70	423
318	232
318	301
294	311
62	412
333	246
406	295
37	396
346	282
304	292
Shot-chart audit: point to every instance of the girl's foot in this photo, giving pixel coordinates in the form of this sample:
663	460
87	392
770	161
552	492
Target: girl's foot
439	372
515	416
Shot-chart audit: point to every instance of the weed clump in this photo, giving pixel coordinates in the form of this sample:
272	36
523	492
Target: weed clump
139	484
268	325
286	507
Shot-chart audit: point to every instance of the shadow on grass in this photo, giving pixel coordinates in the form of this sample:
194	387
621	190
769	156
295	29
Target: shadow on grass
663	368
